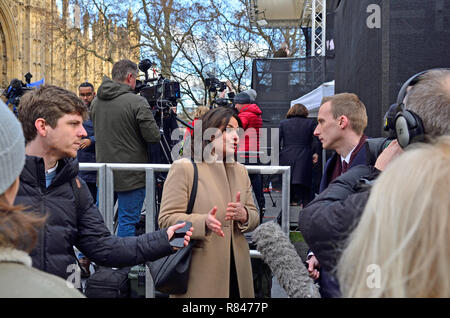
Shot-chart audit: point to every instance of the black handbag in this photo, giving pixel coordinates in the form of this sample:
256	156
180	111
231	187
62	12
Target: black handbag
108	282
171	273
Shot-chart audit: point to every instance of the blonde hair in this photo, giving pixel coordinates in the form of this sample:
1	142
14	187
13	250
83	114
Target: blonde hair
349	105
404	230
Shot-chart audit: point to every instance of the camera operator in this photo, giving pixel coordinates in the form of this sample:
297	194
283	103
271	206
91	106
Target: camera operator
123	125
228	92
423	113
14	93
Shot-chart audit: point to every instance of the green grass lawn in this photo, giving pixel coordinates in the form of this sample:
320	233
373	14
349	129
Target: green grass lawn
296	236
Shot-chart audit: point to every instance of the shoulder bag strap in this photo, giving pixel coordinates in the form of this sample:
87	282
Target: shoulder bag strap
194	190
75	183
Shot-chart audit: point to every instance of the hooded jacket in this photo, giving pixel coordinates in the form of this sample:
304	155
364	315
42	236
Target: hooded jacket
123	125
67	226
250	116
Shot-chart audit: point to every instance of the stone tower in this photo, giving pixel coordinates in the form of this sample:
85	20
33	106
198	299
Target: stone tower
62	45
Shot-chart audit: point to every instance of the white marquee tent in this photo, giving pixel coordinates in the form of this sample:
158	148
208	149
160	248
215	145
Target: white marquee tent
312	99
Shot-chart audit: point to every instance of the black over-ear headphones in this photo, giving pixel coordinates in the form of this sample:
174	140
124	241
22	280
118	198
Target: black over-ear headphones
408	125
405	125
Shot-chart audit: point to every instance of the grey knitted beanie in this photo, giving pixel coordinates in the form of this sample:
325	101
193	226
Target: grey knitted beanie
242	98
12	148
252	93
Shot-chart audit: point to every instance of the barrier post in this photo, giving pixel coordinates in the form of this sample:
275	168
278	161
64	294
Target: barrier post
109	202
149	224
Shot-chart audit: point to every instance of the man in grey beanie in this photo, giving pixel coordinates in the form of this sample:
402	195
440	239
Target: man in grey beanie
12	148
248	151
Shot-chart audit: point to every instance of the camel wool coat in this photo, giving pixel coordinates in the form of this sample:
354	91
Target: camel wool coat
218	184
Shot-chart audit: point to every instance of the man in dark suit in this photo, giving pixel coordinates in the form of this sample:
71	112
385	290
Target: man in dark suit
342	119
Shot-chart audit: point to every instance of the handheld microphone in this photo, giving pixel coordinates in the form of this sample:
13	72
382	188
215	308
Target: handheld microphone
282	258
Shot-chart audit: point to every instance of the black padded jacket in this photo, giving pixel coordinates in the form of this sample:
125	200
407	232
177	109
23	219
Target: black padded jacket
66	226
327	222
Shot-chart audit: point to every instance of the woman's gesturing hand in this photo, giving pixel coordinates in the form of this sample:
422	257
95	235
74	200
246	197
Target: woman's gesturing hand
213	224
236	211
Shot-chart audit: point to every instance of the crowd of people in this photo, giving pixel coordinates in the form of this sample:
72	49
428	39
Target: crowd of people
391	218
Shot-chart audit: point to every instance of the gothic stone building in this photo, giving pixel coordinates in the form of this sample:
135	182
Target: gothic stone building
58	44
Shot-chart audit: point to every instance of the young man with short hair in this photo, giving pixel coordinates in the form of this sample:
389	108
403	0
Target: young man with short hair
52	119
341	120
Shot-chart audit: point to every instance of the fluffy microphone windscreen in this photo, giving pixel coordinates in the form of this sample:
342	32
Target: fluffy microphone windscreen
279	253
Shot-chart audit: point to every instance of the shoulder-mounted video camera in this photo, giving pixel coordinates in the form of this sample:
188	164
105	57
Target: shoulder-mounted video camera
223	102
160	96
214	85
15	90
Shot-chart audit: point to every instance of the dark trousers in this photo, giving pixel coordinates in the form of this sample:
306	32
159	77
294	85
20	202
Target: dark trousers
256	180
234	285
300	194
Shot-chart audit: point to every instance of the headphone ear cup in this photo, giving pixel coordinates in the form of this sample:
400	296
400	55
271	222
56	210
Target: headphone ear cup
401	130
408	127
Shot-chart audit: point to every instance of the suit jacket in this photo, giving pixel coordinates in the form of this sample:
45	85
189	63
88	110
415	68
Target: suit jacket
218	184
358	158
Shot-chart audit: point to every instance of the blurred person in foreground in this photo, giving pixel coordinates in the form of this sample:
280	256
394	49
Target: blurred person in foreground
327	221
402	239
18	230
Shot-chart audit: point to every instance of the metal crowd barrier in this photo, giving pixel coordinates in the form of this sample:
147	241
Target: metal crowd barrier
106	197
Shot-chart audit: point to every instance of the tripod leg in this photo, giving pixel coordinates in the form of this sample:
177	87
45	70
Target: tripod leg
165	148
273	202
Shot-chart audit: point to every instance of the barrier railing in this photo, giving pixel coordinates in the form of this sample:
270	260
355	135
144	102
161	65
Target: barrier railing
106	197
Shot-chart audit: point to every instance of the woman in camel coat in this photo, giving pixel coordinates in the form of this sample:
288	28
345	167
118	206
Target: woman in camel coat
223	211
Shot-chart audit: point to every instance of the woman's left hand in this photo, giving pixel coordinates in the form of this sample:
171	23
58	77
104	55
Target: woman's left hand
236	211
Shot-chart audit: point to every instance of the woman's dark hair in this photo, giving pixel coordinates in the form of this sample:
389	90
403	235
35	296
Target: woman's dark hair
215	118
298	110
18	230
